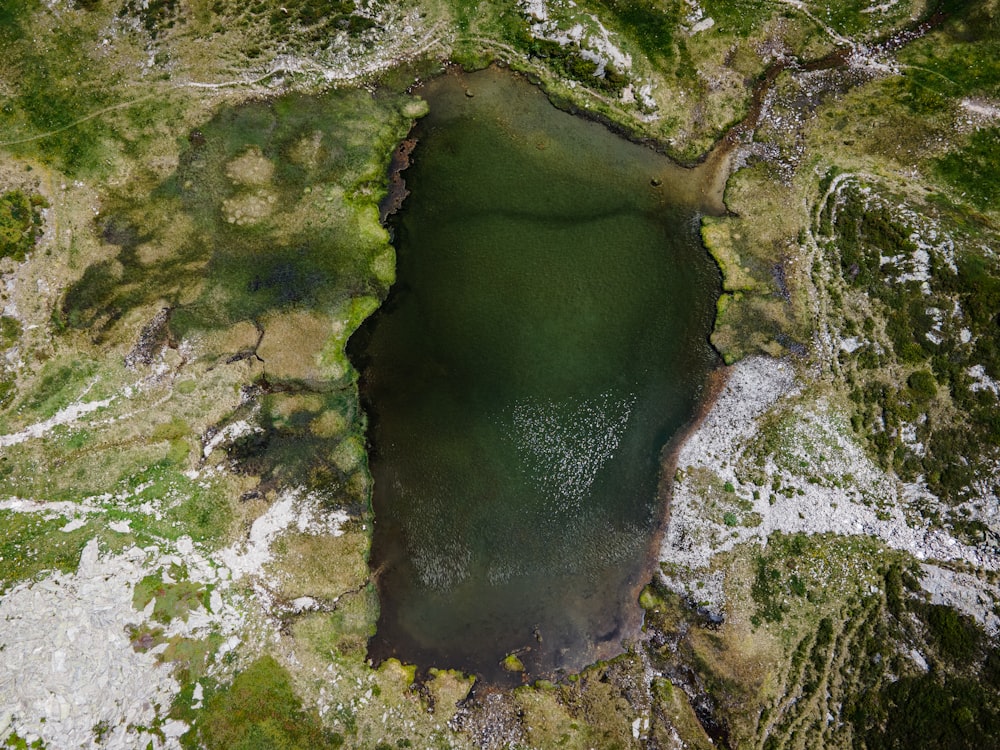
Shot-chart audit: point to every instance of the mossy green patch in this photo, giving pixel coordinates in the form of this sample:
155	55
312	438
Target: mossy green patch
174	599
259	709
10	331
512	663
16	742
20	223
30	545
761	309
350	314
974	168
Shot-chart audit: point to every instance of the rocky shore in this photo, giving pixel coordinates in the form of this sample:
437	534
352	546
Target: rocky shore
819	480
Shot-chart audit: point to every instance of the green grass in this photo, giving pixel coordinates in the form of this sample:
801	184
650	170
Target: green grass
202	512
54	85
97	459
20	223
932	713
740	17
155	15
923	387
16	742
974	169
852	650
650	24
10	331
957	446
173	600
956	635
569	63
259	710
960	59
13	14
60	385
30	545
847	16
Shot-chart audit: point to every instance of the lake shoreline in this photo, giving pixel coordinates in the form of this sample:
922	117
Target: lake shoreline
593	360
715	385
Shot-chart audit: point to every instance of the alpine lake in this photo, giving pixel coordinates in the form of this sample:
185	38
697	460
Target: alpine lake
545	343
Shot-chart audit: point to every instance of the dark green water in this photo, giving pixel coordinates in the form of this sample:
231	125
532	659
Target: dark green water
546	338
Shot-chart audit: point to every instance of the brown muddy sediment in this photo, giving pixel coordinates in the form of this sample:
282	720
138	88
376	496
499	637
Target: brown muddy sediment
397	192
631	627
714	385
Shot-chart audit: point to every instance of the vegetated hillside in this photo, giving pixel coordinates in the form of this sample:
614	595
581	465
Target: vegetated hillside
189	217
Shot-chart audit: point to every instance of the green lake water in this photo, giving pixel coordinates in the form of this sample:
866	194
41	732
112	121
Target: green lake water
546	338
